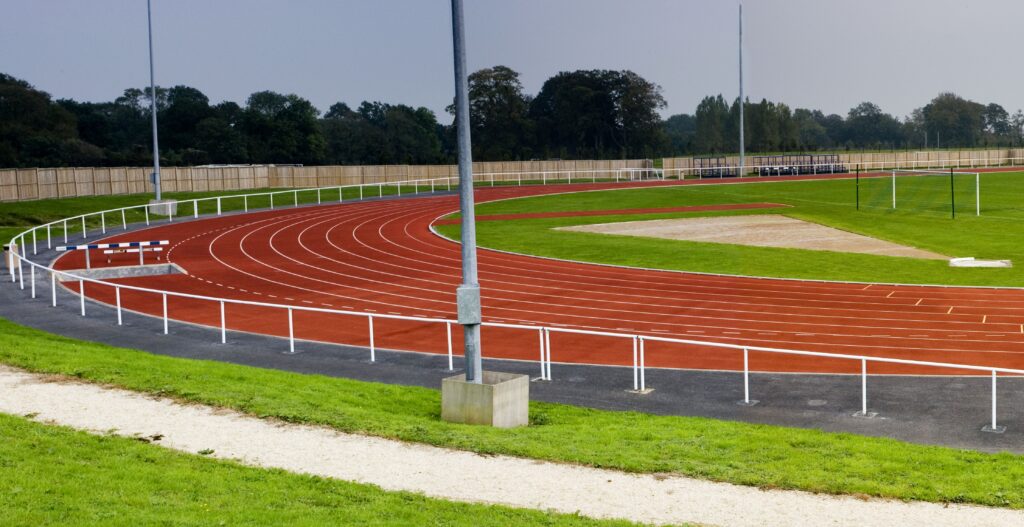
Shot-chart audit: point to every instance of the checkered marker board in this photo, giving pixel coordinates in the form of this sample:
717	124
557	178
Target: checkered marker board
121	245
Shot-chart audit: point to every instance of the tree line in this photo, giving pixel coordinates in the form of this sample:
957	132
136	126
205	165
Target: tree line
583	114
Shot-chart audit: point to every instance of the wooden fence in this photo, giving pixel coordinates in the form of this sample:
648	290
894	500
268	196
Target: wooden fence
906	159
43	183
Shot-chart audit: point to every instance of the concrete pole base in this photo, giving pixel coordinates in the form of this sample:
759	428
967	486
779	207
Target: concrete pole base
164	207
502	400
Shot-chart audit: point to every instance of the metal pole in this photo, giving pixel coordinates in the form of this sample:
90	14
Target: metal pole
32	279
643	383
117	300
977	193
543	371
864	387
746	376
894	189
994	427
468	293
152	102
858	187
164	295
81	296
742	146
636	371
53	289
952	195
547	352
223	325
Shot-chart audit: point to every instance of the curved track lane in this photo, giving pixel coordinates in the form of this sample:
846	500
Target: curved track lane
381	257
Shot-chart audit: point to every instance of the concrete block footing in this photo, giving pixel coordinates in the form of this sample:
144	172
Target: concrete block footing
502	400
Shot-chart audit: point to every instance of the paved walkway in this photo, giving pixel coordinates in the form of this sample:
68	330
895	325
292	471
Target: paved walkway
458	475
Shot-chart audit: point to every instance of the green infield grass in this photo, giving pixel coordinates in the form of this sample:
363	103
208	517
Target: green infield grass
921	219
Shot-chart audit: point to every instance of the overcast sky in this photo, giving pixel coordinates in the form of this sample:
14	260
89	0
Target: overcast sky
823	54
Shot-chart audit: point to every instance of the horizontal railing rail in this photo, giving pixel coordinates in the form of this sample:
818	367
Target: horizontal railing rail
19	260
837	167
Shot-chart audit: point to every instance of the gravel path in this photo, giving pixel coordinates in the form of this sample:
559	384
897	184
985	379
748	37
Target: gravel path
458	475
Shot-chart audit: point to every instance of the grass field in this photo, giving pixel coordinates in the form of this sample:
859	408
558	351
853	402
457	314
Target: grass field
758	455
56	476
921	219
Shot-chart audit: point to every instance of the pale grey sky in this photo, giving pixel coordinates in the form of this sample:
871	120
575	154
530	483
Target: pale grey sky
824	54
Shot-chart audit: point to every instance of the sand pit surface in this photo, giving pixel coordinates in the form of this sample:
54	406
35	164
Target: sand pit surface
760	230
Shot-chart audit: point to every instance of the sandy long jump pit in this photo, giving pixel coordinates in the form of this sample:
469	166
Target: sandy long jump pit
761	230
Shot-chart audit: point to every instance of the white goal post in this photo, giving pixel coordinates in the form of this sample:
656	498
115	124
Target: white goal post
952	191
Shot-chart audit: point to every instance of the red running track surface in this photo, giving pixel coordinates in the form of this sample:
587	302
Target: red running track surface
381	257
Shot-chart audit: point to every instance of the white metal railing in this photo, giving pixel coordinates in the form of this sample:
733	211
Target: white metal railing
18	261
810	169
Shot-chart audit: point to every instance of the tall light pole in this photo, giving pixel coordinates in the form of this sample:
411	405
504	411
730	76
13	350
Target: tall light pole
742	146
152	102
468	294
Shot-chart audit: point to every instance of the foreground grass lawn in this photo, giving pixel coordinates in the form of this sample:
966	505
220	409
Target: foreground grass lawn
922	220
766	456
56	476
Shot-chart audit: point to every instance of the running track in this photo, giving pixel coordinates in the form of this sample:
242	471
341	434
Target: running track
381	257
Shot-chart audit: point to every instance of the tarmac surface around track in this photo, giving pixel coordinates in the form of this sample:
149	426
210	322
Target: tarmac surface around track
382	257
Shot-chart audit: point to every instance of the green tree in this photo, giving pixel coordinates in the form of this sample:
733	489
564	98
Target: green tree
959	121
282	129
711	116
498	111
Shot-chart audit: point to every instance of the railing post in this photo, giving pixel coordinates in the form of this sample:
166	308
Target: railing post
32	279
245	203
81	296
223	325
21	274
117	302
291	332
124	221
318	196
994	427
34	248
164	296
543	370
218	206
271	201
65	232
864	391
341	194
747	401
103	225
643	383
451	366
145	211
295	196
373	348
547	352
49	244
636	367
85	232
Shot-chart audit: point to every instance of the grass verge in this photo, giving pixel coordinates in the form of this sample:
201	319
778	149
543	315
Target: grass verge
758	455
56	476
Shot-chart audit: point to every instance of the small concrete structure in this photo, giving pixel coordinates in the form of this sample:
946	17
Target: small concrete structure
502	400
163	207
128	271
974	262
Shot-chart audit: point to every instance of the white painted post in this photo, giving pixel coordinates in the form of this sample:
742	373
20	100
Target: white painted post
245	203
295	196
81	296
894	189
636	368
543	370
643	383
117	302
451	366
53	289
291	332
223	325
124	221
519	179
341	194
218	206
32	279
142	252
65	232
21	273
373	348
746	376
103	223
318	196
85	233
977	194
864	387
547	351
145	211
271	201
994	427
34	247
195	209
164	295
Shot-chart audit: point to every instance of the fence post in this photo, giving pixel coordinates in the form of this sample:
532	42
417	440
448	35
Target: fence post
451	366
295	198
643	383
218	206
636	371
81	296
543	370
103	225
746	380
291	332
32	279
117	301
124	221
547	351
145	211
85	233
994	427
245	203
223	325
53	289
373	348
65	232
864	392
164	296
